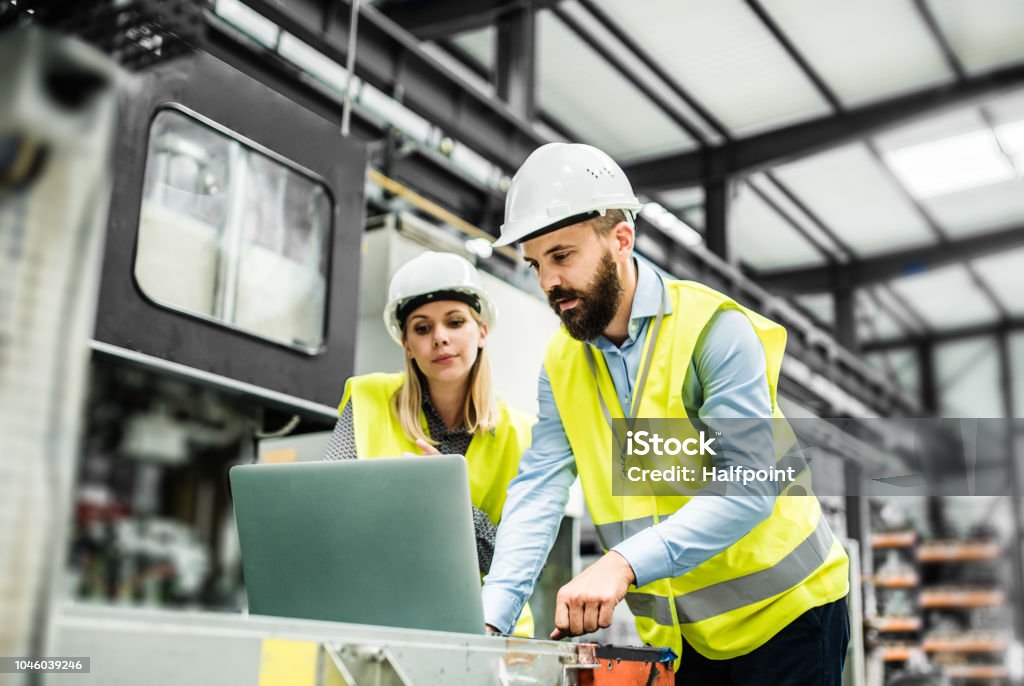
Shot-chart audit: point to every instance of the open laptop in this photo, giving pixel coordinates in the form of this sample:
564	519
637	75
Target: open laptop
383	541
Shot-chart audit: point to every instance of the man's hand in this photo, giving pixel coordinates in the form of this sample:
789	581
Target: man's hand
586	603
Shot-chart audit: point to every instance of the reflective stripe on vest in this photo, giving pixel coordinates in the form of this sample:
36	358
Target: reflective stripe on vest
655	607
733	594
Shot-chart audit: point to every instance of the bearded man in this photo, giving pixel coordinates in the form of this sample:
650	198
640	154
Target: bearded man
747	588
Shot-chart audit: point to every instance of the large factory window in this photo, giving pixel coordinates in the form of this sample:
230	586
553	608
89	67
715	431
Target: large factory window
232	233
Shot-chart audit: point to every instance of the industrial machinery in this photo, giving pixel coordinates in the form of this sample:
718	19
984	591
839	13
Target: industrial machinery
224	315
56	123
227	318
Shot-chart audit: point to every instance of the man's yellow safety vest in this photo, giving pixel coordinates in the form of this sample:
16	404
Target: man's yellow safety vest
492	457
738	599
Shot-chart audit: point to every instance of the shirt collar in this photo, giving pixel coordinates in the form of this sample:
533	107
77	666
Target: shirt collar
647	297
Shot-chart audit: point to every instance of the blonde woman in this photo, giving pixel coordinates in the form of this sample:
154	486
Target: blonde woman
444	402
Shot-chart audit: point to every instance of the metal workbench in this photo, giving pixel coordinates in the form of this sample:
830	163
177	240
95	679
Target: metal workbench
156	647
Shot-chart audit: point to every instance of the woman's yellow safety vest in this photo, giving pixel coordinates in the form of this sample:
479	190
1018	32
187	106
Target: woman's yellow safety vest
735	601
492	457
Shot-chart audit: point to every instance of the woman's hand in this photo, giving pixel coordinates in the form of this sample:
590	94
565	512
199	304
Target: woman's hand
425	447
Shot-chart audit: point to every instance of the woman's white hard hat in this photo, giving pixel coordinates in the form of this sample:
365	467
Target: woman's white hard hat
435	276
561	184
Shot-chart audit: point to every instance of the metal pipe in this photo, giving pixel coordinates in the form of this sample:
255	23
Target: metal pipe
350	67
1016	497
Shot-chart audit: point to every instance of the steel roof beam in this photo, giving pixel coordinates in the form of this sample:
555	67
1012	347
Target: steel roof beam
632	46
838	242
932	25
390	59
822	250
840	286
782	39
435	20
797	140
942	336
956	66
599	47
717	235
933	226
907	317
516	59
893	265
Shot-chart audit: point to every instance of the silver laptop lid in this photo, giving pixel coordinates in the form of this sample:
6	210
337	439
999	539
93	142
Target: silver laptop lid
384	541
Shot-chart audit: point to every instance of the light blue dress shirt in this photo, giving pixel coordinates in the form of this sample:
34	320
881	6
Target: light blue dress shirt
726	379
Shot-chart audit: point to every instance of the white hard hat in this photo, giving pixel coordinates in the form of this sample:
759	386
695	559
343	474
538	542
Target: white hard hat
435	276
561	184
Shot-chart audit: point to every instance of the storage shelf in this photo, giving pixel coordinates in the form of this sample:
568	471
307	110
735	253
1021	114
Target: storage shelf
895	624
977	672
961	599
907	581
894	539
912	634
958	552
964	644
898	653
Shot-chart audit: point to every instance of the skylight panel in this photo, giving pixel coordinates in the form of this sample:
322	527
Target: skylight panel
951	164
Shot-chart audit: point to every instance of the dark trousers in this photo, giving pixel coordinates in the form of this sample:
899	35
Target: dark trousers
810	650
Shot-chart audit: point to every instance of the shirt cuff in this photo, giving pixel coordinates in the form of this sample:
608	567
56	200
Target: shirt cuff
648	555
501	608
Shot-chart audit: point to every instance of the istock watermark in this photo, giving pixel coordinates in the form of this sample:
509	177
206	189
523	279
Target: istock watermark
705	475
647	443
842	457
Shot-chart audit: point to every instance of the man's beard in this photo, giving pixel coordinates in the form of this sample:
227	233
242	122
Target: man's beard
596	305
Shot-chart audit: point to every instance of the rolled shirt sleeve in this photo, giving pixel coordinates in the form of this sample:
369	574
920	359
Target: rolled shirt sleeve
534	506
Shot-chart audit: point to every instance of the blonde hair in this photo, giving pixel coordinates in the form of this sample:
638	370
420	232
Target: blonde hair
479	410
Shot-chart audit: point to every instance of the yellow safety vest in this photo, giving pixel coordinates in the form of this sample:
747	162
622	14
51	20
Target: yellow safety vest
734	602
492	457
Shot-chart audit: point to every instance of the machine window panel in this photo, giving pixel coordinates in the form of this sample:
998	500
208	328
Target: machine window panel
231	233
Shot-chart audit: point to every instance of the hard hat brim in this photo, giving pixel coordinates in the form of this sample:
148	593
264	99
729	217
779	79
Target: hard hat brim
510	237
488	311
